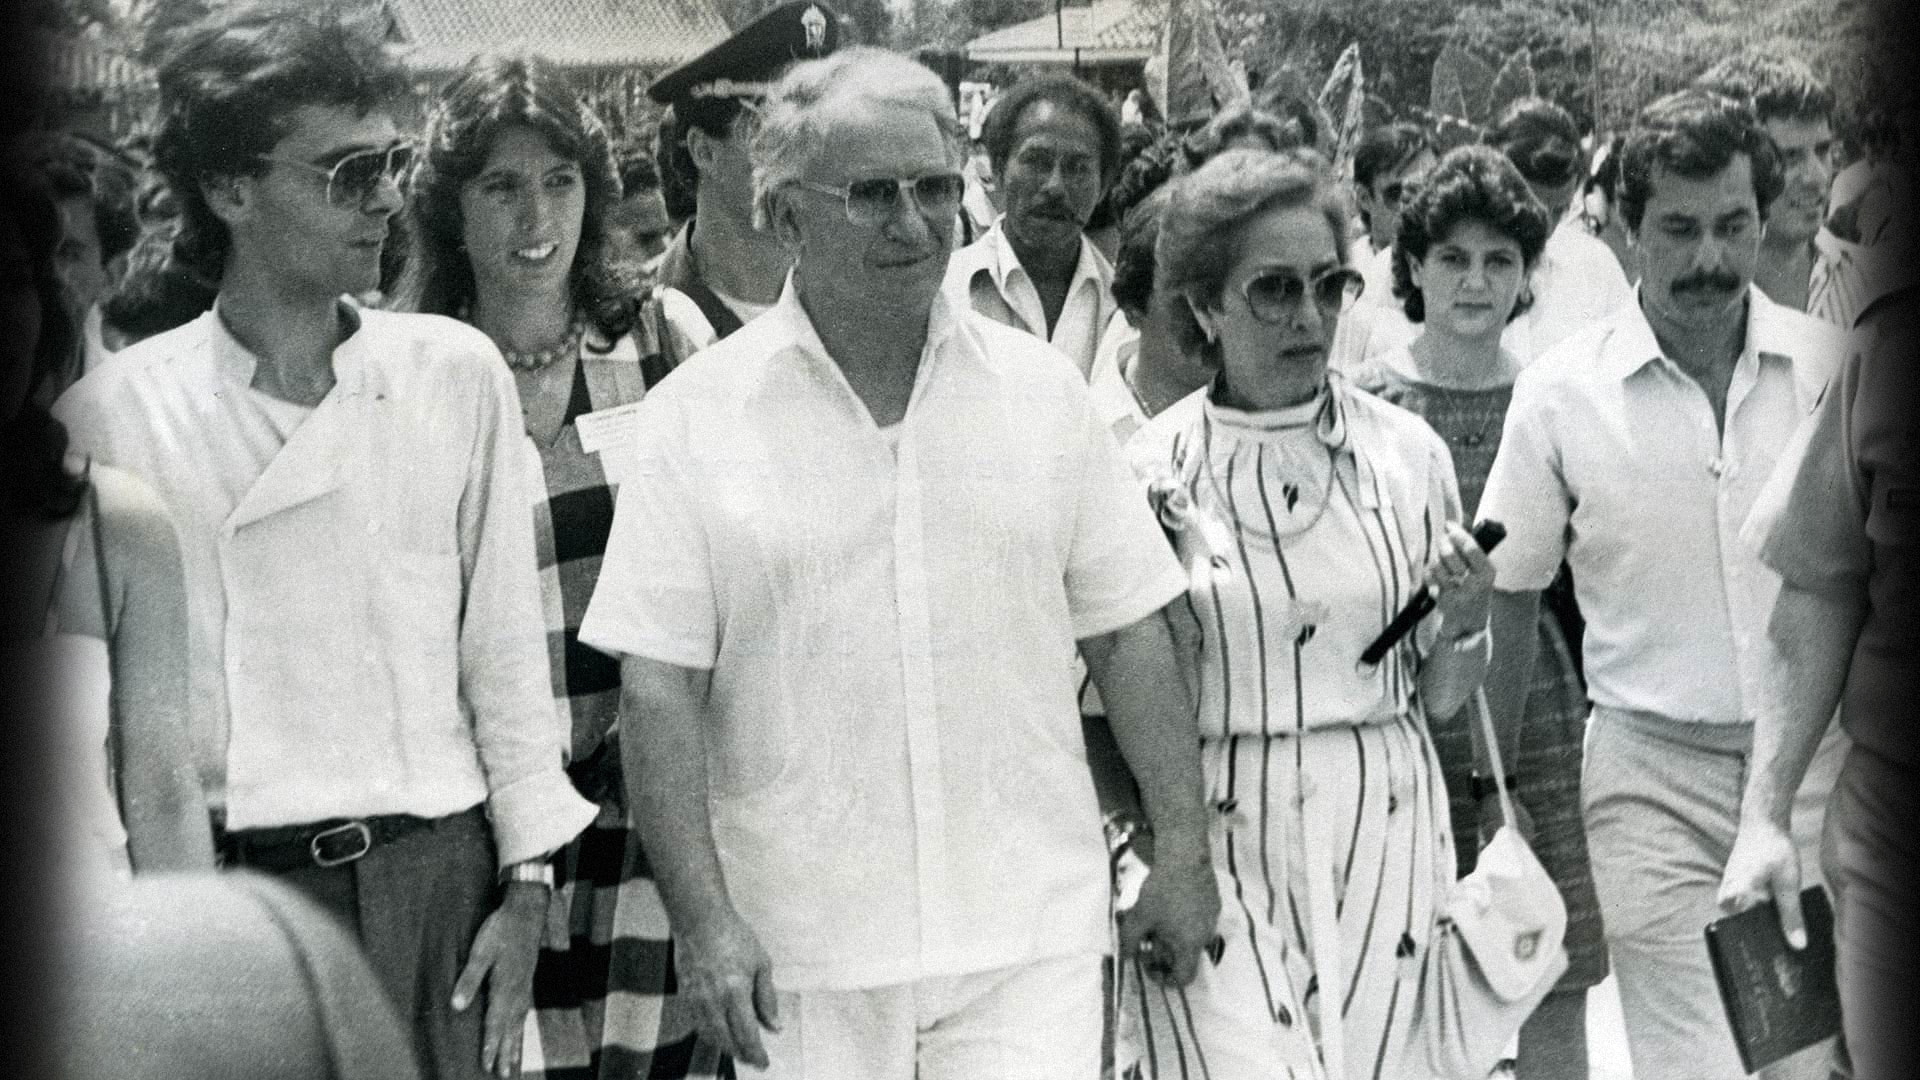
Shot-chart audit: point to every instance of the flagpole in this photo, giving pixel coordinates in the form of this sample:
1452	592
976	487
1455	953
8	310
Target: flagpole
1059	25
1593	28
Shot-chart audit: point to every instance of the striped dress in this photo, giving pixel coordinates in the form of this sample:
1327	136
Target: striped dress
603	987
1304	530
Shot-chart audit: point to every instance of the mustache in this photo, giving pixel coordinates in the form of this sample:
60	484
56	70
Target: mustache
1052	208
1711	281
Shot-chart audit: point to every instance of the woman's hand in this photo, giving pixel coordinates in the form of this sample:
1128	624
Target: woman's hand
1461	576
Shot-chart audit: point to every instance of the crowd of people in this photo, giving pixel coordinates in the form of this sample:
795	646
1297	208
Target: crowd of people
836	594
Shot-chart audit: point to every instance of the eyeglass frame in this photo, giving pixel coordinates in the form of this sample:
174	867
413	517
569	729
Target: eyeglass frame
1353	278
399	178
900	184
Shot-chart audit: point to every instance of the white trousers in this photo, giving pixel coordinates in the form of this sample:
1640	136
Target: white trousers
1037	1021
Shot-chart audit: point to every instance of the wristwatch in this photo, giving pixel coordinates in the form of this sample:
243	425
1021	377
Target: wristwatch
531	872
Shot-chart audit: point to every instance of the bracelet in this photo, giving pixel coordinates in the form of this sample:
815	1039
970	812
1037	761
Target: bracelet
1482	786
530	872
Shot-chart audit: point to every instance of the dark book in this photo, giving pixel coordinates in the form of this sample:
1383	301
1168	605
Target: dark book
1779	999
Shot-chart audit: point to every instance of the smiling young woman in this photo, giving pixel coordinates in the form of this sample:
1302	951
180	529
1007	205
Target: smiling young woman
1468	242
514	200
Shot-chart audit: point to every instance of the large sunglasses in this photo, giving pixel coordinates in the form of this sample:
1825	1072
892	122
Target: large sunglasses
872	201
353	179
1273	295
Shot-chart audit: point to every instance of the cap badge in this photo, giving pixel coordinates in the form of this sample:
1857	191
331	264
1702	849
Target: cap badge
814	22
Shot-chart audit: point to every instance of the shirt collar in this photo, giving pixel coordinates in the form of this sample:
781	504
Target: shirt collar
234	361
1004	263
790	324
1632	345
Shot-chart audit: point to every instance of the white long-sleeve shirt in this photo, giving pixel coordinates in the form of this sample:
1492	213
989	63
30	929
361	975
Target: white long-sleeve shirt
364	613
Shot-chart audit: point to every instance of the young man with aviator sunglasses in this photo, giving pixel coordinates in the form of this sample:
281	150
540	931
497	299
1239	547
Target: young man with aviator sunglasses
364	627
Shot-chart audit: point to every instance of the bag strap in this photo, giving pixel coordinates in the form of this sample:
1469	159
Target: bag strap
1493	752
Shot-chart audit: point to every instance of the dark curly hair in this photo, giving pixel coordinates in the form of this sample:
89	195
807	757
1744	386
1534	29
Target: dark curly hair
490	94
1132	286
1062	92
1778	87
1237	122
1142	168
33	444
229	85
1471	183
1694	133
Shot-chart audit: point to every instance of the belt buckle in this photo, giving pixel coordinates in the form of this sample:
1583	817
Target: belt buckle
356	829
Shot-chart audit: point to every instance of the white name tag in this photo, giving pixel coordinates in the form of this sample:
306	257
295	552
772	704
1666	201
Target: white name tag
611	433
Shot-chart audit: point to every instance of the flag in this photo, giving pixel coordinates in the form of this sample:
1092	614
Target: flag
1189	75
1347	73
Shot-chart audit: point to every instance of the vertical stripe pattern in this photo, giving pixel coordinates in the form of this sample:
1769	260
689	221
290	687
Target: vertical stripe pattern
1331	842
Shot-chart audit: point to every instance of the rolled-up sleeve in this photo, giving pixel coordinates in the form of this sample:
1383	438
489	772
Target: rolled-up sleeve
1527	492
1119	568
1810	522
655	597
503	657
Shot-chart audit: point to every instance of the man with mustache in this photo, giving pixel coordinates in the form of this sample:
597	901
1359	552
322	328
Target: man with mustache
1802	265
1054	144
1633	452
364	632
858	541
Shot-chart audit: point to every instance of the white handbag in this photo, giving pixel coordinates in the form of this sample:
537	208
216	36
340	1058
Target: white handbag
1498	949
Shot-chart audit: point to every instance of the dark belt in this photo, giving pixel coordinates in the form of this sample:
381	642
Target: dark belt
334	842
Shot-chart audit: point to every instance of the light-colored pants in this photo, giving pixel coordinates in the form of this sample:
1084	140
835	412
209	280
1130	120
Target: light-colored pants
1037	1021
1662	804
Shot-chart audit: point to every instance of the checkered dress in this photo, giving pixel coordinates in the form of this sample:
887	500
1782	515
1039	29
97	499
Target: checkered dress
603	995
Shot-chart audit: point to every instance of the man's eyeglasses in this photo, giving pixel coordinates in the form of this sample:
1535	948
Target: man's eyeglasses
872	201
1395	190
353	179
1272	295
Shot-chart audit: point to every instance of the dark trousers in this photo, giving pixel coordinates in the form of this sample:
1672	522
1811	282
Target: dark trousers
415	904
1871	851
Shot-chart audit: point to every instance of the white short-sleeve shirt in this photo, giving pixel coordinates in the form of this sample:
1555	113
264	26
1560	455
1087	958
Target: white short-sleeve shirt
1611	460
988	274
897	777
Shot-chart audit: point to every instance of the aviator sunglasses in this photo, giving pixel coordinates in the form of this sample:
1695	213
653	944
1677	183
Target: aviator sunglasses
355	177
875	200
1274	294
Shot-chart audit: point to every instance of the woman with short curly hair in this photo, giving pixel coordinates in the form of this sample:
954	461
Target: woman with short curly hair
1468	243
1309	512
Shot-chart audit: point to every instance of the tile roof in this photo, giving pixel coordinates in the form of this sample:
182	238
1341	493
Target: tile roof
439	35
1104	29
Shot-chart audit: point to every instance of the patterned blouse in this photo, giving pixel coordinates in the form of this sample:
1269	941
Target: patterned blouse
1304	530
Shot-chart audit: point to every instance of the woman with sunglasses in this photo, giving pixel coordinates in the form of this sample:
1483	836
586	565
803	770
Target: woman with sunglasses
1466	249
1308	512
512	199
